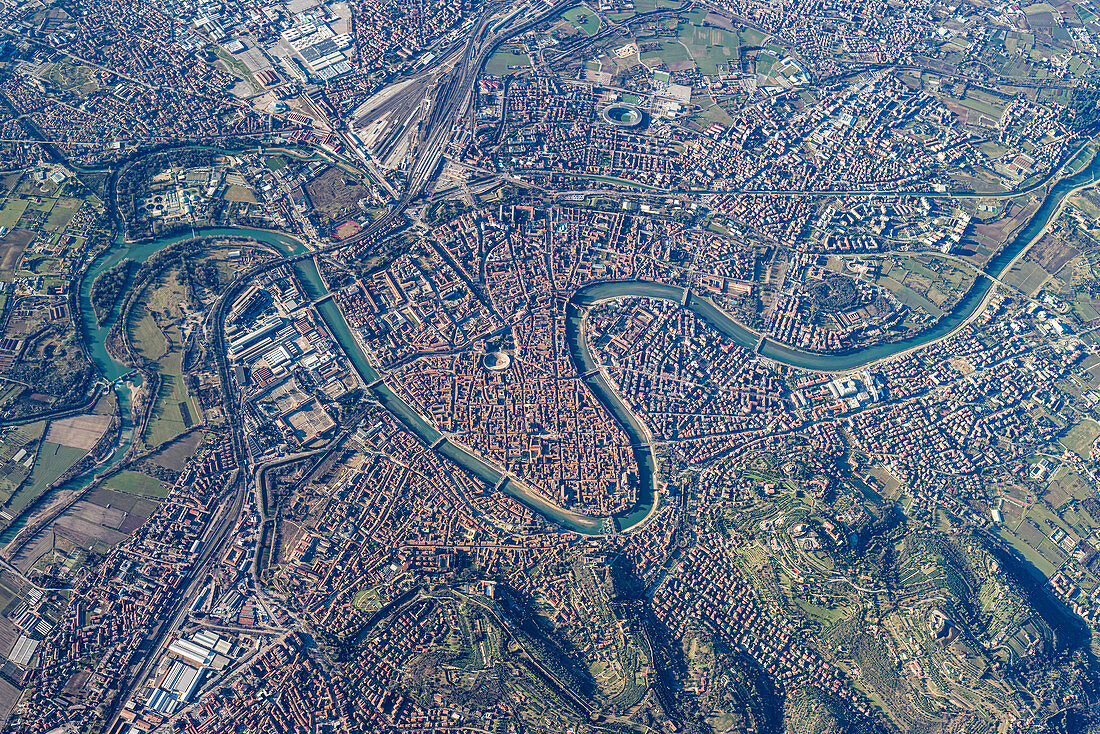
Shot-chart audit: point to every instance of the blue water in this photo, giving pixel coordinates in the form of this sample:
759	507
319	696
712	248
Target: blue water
95	339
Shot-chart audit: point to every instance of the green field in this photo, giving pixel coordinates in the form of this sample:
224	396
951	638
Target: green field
765	62
240	193
129	503
670	52
1078	67
12	475
590	23
752	37
20	437
1038	8
1080	161
62	213
145	336
498	63
1085	309
645	6
12	211
134	482
710	47
910	297
53	460
1029	277
69	75
1031	554
237	67
711	112
982	106
1080	438
823	615
168	418
992	150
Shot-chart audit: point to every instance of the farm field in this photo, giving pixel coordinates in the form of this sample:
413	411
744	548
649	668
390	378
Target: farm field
52	461
1029	277
78	432
155	333
711	48
136	483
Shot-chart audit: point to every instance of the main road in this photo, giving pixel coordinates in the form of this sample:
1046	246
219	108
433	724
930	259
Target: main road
449	102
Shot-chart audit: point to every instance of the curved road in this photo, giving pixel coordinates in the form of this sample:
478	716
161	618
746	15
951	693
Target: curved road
449	103
597	380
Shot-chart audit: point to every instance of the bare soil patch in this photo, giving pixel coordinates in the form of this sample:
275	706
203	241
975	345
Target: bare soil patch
12	247
1051	254
78	432
335	195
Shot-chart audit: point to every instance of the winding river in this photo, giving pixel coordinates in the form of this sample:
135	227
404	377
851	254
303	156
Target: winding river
586	296
95	339
967	307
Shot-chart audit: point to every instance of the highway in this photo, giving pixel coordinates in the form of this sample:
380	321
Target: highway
445	119
449	98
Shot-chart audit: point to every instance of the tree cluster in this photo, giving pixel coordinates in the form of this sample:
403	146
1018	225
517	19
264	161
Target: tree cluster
107	288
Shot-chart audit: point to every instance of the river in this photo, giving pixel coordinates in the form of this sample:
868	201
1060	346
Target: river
95	338
967	307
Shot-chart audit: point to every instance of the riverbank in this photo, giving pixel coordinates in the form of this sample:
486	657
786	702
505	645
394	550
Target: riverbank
968	308
95	336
